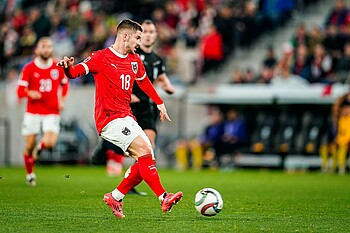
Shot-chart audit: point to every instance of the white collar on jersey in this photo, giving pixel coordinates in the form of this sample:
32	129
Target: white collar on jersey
116	53
41	65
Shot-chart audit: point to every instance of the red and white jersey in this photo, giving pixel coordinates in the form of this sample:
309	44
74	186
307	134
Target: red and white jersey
114	75
46	79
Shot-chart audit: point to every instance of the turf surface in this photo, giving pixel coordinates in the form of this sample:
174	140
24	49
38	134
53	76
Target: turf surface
69	199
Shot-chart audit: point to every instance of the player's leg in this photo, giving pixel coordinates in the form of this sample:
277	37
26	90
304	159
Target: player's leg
181	154
324	154
342	152
30	141
151	134
50	128
126	134
30	128
114	158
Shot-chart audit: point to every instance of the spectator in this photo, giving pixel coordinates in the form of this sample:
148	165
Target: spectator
301	65
235	134
338	14
265	76
237	76
224	24
343	66
211	139
8	43
301	36
284	76
27	41
270	59
188	64
19	20
333	42
39	22
212	49
321	66
316	37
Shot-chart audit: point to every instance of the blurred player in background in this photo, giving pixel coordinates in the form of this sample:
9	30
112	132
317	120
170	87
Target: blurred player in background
143	108
40	83
338	141
115	69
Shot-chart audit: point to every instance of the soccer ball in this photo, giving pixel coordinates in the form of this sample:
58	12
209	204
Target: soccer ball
208	202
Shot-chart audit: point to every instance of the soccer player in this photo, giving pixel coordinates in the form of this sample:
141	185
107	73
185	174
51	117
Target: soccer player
143	108
40	83
115	69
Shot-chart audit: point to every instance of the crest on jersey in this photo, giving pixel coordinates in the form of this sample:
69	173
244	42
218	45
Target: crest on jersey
126	131
54	74
134	67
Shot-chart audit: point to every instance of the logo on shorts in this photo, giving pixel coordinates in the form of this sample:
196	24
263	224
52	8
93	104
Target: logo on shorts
126	131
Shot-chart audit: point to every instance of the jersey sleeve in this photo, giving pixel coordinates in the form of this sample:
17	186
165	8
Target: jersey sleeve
23	82
146	86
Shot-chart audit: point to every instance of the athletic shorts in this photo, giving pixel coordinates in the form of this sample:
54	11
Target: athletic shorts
146	115
37	123
122	131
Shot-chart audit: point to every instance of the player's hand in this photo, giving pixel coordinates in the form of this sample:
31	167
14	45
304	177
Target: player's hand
34	94
66	62
134	99
163	114
60	105
169	89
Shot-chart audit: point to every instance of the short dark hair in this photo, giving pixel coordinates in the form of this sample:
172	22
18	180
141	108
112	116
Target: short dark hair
147	21
129	24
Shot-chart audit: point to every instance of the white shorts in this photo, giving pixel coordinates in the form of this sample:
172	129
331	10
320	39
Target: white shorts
36	123
122	131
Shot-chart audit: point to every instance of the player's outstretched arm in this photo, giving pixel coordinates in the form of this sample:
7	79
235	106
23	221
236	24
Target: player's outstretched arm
72	71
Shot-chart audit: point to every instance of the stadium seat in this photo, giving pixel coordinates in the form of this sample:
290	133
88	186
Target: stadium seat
263	136
312	131
287	132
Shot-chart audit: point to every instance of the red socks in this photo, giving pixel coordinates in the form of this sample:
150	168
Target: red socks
111	155
132	178
42	145
29	163
149	173
145	169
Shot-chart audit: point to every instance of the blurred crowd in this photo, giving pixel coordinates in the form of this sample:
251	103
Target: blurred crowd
195	36
320	54
220	142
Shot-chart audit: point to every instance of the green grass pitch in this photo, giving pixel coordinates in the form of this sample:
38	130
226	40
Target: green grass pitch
69	199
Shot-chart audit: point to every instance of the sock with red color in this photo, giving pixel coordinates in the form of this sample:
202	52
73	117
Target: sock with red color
132	178
149	174
41	145
111	155
29	164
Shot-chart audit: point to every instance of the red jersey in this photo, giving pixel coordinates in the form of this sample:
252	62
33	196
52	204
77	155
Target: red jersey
46	79
114	75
